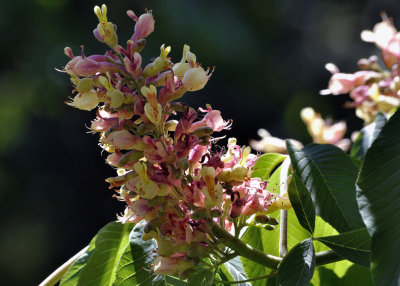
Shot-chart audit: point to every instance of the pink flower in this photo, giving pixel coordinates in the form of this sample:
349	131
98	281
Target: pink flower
213	119
123	139
144	26
341	83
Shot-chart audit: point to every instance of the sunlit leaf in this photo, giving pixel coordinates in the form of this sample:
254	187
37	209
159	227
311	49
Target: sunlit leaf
329	175
102	265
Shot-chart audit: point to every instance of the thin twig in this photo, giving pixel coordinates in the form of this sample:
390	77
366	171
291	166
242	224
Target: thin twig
283	223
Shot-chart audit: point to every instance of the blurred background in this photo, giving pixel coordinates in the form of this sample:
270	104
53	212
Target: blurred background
269	58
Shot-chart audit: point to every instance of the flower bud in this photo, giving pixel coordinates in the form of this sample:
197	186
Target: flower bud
144	27
139	46
262	219
195	79
86	101
273	221
129	157
205	140
269	227
86	67
203	131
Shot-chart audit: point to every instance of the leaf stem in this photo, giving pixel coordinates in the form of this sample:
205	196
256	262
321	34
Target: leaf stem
56	276
248	280
326	257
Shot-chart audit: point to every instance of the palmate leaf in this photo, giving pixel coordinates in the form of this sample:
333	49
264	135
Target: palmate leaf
353	245
329	175
378	196
302	204
297	268
102	265
71	277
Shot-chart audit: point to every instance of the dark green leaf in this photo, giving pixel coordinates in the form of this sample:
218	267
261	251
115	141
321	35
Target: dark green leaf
302	204
357	275
297	268
367	135
378	196
102	265
353	245
71	277
266	164
329	175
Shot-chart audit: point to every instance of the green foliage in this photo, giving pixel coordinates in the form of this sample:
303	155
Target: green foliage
265	164
329	175
71	277
297	268
233	270
353	245
102	265
379	200
302	204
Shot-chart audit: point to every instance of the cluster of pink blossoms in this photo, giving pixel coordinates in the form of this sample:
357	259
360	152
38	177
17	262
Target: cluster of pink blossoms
169	173
374	88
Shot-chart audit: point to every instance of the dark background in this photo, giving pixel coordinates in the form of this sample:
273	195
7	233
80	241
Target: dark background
269	58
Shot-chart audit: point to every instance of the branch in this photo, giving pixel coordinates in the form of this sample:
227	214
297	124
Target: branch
56	276
245	250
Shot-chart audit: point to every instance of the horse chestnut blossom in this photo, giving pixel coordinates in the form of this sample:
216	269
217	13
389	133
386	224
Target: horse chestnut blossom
170	171
375	88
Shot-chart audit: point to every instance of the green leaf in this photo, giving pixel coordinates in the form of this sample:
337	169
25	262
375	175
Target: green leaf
367	136
133	268
297	268
302	204
233	270
71	277
265	164
268	241
201	278
378	196
329	175
353	245
102	265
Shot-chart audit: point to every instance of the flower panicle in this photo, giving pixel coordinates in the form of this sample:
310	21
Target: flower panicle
167	172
